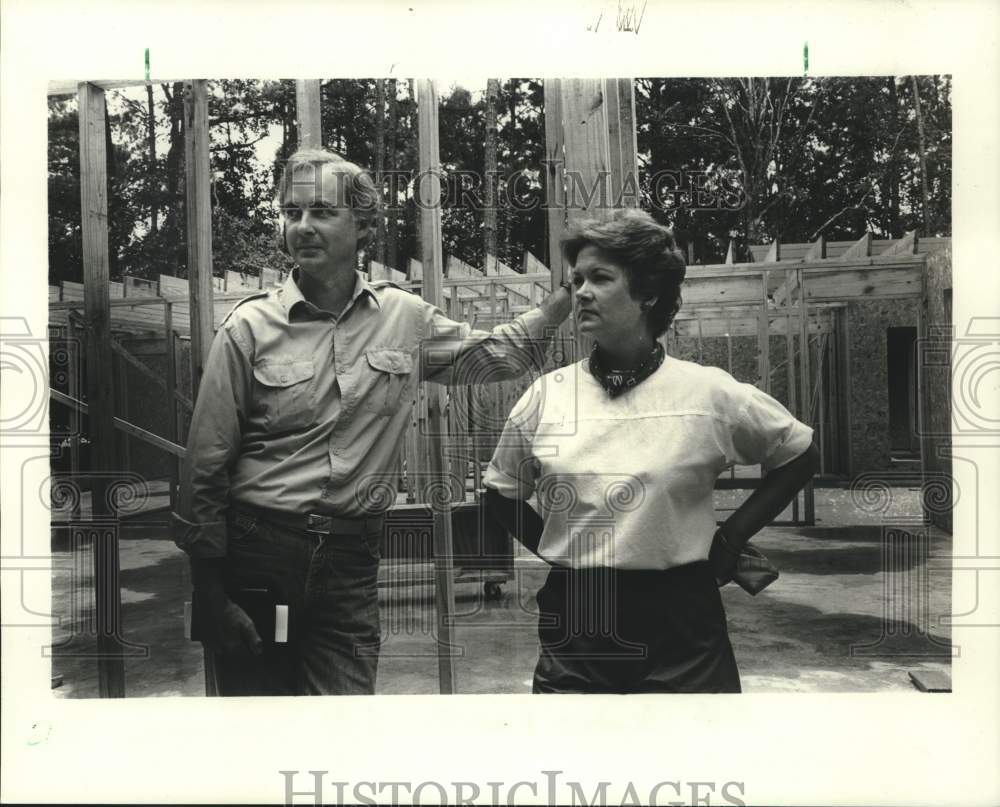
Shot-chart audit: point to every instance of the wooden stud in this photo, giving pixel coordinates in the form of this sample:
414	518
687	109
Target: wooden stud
806	408
619	97
764	339
817	251
792	397
123	407
308	115
199	226
784	294
927	462
774	253
123	425
172	425
75	353
862	248
907	245
100	384
429	190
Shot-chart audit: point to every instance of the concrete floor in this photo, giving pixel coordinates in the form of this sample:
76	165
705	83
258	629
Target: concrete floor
836	621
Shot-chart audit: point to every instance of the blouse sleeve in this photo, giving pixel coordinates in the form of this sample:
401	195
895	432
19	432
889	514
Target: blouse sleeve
764	432
514	469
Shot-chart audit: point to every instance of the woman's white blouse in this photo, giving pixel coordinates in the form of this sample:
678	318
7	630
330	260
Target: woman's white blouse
627	482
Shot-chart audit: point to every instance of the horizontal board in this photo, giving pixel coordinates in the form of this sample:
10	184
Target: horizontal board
730	290
748	326
858	284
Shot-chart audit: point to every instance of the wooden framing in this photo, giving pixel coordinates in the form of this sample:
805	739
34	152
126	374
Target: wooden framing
429	190
590	135
307	113
100	385
199	226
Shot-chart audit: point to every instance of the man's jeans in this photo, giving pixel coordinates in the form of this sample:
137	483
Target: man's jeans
330	585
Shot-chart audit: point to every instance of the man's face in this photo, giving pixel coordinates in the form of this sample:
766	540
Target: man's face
321	231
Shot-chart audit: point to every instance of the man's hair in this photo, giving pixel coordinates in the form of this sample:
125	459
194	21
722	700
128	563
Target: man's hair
654	267
357	184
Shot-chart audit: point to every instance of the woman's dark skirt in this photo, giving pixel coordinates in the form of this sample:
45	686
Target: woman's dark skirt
624	631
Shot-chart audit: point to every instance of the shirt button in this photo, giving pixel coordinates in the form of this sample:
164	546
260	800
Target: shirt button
284	379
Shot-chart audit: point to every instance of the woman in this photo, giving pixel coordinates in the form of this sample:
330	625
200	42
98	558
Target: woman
622	451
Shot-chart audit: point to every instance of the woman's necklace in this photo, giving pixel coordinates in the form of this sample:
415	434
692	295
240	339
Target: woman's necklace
615	382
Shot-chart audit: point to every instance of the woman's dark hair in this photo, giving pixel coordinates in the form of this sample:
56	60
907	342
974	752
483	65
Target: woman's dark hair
654	267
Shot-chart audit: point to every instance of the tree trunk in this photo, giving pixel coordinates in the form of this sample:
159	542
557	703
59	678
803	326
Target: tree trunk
380	168
175	219
921	154
392	229
153	184
490	196
893	162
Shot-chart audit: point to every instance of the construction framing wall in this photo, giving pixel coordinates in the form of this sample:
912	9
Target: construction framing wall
792	321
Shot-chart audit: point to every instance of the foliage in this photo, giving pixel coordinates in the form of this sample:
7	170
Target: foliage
831	156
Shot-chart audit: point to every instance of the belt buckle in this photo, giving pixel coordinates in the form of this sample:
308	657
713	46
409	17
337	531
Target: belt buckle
318	523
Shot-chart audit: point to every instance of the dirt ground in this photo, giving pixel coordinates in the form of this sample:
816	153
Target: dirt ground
859	605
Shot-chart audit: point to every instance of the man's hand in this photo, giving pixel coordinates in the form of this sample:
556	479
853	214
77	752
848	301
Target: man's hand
226	626
557	305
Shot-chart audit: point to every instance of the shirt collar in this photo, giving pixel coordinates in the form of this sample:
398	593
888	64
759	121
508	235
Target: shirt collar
290	295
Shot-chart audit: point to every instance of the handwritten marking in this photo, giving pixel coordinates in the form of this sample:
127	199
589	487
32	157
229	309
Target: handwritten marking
805	59
147	64
627	19
597	24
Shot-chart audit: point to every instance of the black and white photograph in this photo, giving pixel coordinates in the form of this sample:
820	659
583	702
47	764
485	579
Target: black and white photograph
500	383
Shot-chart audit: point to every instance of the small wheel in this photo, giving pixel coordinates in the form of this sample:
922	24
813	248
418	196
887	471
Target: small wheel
492	591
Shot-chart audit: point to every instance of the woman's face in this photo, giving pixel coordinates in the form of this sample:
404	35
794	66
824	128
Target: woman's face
604	307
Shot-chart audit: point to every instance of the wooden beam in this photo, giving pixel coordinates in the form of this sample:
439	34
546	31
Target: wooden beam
555	214
864	284
829	264
619	95
588	159
862	248
817	251
199	226
727	290
429	190
774	253
100	383
784	294
923	403
845	390
750	325
764	339
70	86
172	394
123	425
907	245
806	407
308	116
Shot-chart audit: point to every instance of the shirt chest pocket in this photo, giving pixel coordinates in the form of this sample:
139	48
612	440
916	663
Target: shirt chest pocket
285	393
389	372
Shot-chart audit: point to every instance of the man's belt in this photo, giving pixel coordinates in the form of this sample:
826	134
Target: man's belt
314	523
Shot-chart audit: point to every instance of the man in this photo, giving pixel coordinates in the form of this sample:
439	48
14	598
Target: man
300	413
